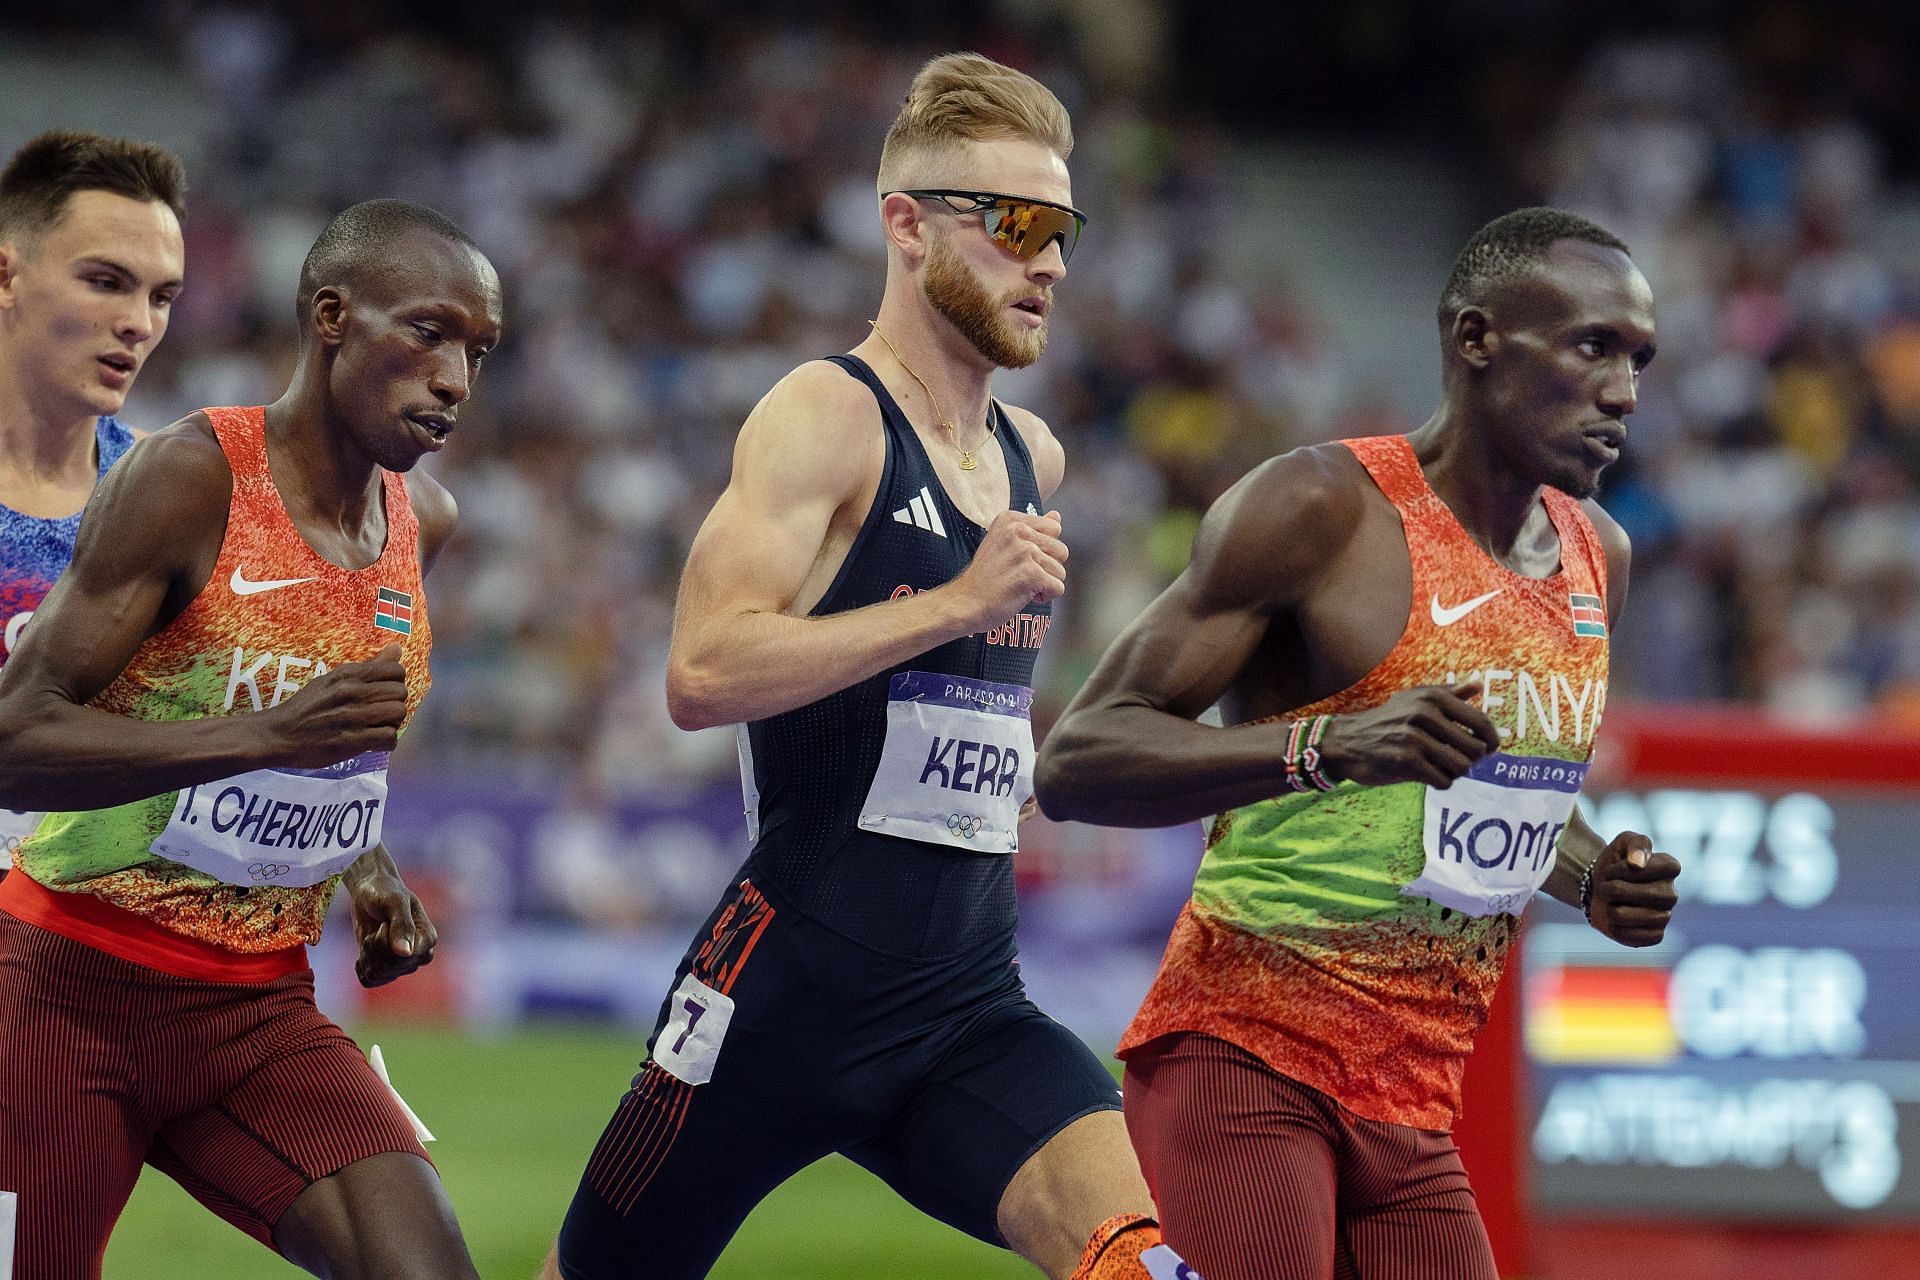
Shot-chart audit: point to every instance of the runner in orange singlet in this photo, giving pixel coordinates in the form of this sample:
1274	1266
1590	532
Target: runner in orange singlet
1408	639
206	702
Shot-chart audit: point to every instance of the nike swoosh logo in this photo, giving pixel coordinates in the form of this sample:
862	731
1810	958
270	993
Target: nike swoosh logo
1445	617
242	587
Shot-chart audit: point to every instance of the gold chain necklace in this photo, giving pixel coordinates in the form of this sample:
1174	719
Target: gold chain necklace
967	461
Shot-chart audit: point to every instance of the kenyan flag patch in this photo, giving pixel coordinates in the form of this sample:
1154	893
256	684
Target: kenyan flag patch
1589	615
393	611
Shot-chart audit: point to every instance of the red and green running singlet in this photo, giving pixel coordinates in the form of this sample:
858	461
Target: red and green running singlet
1352	939
243	867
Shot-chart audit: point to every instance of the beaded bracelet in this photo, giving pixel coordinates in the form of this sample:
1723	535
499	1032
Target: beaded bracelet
1586	890
1303	756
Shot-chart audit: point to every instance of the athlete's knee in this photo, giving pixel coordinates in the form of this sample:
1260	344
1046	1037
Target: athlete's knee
1129	1247
382	1218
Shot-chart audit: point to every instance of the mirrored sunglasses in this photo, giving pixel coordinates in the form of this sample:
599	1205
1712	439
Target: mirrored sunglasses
1021	225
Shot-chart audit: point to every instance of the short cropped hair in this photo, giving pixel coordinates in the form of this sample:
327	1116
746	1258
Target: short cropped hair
1509	247
364	239
965	97
37	183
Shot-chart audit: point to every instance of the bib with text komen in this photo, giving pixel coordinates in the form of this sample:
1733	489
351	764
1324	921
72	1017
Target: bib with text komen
1490	837
957	763
280	826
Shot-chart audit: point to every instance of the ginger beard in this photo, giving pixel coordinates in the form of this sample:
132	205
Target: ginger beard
958	295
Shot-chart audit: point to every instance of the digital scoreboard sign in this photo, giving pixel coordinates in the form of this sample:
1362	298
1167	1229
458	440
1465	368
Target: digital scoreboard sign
1763	1062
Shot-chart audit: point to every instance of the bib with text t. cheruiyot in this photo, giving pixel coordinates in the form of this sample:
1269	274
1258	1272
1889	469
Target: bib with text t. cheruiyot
290	827
957	764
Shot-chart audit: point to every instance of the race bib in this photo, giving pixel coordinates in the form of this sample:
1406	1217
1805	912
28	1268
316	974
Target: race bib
15	825
279	826
697	1022
1490	837
957	764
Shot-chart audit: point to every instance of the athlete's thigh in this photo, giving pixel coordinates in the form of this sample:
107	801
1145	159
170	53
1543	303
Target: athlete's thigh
306	1107
732	1100
1239	1159
71	1134
1409	1213
1011	1082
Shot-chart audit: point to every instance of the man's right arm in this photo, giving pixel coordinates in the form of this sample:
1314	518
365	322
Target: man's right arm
1128	750
738	654
147	544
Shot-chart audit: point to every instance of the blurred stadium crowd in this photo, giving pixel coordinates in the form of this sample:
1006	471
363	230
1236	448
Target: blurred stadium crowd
682	210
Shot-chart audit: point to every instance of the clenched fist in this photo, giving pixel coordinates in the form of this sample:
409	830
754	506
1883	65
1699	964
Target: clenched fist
1432	734
1021	561
355	707
1633	893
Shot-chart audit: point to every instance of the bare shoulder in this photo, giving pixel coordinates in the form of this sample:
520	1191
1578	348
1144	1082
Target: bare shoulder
817	404
185	456
435	509
166	502
1271	535
808	429
1049	457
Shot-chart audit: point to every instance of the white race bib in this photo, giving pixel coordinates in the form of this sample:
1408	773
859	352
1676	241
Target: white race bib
15	825
957	764
280	826
697	1022
1490	837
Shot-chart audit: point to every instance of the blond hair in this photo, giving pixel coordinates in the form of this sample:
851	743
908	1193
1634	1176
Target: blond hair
964	97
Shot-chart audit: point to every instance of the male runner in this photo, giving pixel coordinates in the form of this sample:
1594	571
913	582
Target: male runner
90	263
210	692
867	599
1295	1069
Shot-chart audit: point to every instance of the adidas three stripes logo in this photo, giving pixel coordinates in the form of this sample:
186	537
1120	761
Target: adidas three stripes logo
924	512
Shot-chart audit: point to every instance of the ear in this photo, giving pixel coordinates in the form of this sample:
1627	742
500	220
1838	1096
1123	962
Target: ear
10	257
1472	338
906	229
329	314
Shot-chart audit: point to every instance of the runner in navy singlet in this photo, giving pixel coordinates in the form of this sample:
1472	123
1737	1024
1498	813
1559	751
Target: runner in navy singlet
867	600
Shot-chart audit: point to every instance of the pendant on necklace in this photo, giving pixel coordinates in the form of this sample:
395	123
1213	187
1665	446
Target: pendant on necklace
967	462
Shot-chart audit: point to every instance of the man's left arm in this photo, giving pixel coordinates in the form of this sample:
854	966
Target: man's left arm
1622	886
392	927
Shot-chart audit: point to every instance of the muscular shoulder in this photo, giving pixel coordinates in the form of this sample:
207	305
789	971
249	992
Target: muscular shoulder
436	511
180	466
165	503
1049	458
1267	539
809	429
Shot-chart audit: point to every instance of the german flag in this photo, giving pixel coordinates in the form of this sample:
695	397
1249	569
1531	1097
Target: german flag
1600	1013
393	611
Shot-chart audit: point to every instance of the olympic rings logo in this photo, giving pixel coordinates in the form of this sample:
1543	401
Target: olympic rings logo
965	825
268	870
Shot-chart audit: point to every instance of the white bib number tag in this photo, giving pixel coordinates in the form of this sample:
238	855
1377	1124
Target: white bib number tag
15	825
280	826
697	1022
1490	837
9	1211
957	764
1162	1263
